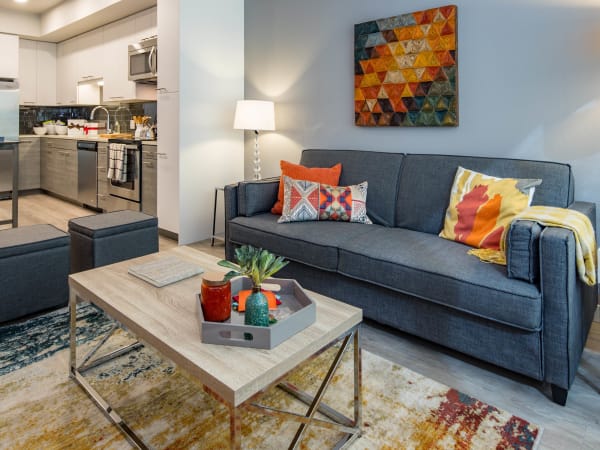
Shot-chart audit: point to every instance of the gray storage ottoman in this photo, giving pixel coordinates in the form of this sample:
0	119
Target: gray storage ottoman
34	270
111	237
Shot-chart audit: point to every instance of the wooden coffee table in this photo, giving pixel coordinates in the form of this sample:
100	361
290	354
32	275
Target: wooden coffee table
165	318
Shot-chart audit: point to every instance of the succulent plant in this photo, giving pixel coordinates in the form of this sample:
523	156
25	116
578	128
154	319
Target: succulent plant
255	263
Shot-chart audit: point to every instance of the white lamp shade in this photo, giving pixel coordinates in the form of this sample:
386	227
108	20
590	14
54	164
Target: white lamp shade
254	115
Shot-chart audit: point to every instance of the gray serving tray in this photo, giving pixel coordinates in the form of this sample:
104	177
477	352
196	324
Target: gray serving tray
296	312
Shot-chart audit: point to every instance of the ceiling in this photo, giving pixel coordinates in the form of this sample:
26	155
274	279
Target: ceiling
98	14
32	6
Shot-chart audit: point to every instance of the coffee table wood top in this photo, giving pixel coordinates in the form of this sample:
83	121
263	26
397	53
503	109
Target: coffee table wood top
166	318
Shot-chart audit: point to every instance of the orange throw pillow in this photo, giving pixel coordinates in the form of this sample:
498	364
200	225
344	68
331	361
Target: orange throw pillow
323	175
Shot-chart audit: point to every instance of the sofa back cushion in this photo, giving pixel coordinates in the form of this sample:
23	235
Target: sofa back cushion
426	181
380	170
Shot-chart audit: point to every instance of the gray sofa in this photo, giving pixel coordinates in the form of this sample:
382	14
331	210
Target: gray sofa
531	316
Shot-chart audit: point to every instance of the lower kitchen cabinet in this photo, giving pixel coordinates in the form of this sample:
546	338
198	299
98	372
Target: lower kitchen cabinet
149	179
59	167
103	199
29	163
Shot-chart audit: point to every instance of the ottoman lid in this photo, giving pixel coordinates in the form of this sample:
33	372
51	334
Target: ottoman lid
30	239
116	222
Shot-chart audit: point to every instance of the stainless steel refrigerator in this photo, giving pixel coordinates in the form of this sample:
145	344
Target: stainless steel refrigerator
9	127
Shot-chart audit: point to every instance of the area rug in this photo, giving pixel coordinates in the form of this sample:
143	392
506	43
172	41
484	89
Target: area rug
41	408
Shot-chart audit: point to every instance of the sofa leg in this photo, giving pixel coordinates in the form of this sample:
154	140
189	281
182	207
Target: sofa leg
559	395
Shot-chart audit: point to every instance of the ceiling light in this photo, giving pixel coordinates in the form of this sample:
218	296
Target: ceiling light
21	1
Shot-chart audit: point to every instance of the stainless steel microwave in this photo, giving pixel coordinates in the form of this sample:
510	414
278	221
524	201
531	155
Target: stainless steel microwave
143	60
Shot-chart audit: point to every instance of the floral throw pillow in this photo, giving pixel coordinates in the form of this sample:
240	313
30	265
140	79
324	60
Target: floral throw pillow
482	207
308	200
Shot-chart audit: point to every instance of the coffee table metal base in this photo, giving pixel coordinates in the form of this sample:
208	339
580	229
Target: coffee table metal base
333	419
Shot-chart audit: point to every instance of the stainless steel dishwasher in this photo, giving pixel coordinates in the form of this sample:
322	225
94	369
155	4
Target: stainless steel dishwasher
87	173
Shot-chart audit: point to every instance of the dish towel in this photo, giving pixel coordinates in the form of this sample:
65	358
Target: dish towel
117	162
578	223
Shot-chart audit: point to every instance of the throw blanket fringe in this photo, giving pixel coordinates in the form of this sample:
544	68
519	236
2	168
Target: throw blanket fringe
117	163
578	223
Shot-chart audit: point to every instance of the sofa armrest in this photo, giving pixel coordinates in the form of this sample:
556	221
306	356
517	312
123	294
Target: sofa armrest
568	308
255	197
522	244
587	208
522	250
230	194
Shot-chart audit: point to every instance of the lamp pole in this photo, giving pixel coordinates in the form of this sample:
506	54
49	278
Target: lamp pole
256	157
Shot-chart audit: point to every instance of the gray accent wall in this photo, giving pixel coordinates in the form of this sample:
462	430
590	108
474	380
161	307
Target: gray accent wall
529	82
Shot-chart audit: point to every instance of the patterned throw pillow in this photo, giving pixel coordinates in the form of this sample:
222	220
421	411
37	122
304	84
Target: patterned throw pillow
307	200
482	207
326	175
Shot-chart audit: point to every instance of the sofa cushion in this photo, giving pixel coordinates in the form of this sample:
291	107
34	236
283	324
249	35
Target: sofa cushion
441	271
327	175
308	200
312	243
482	207
426	180
380	170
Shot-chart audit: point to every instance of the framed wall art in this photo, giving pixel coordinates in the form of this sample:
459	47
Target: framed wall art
405	70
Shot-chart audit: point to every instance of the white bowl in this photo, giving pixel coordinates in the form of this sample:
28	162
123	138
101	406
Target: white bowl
61	129
50	128
39	130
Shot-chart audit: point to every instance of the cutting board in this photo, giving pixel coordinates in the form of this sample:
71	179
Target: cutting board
117	136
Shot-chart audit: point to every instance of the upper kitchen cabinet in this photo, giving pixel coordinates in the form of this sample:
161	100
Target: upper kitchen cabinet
9	49
89	52
117	37
145	24
37	72
66	73
168	45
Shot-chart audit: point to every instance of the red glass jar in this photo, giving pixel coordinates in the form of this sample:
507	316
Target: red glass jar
216	297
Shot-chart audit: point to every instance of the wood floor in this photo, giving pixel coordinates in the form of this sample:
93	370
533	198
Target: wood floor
574	426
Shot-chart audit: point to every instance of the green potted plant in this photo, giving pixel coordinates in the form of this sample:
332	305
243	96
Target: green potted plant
257	264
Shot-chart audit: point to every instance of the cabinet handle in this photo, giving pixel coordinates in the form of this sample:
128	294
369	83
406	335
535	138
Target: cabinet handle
148	164
161	154
29	103
118	96
25	142
88	76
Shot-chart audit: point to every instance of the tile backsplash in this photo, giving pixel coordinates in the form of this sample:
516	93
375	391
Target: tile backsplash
29	116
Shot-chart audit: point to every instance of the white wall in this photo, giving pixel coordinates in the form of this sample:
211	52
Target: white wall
19	23
529	81
211	68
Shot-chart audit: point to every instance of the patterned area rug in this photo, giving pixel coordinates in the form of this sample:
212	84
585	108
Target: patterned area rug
42	408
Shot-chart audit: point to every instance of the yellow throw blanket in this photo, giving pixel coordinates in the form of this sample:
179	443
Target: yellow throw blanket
578	223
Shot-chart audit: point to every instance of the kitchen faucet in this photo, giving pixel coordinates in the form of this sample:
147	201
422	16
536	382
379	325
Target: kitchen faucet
107	116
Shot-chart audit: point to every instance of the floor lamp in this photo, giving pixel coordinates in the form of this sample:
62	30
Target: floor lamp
254	115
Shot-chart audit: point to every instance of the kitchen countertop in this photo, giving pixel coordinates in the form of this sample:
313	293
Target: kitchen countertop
77	138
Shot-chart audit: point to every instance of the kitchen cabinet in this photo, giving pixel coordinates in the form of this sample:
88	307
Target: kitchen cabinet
9	49
145	24
46	73
66	73
167	161
59	167
37	72
27	72
88	55
117	87
103	202
29	163
149	179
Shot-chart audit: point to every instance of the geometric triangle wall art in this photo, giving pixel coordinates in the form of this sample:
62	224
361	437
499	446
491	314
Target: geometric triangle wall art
406	70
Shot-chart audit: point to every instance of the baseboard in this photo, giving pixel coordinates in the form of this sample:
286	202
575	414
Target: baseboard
168	234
